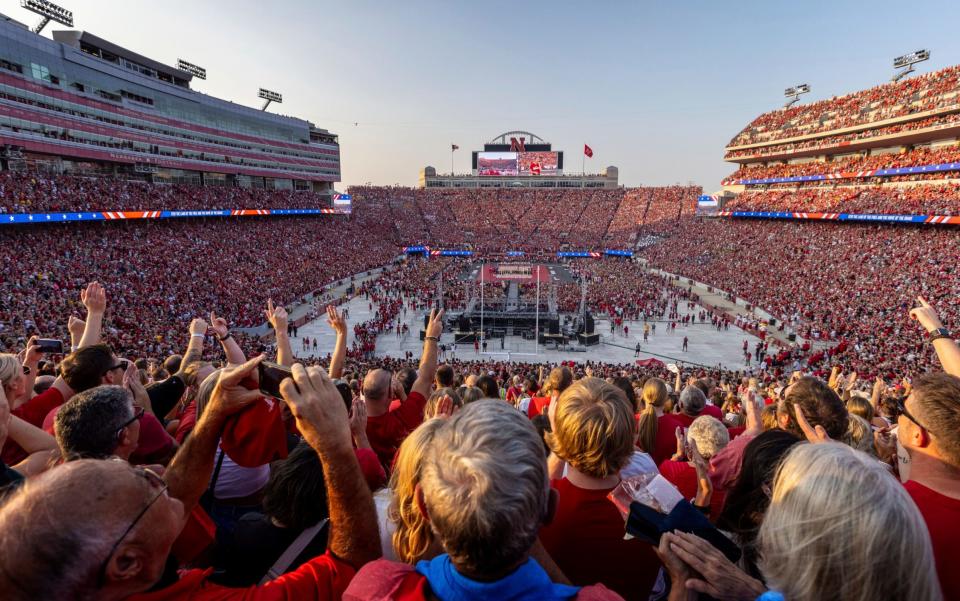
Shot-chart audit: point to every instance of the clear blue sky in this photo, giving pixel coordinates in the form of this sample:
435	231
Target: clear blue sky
656	89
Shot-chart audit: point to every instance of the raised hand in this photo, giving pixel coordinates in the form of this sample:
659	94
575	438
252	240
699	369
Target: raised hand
445	407
198	326
94	298
32	354
277	316
229	396
75	326
813	434
435	324
131	381
316	404
218	325
336	321
926	315
358	417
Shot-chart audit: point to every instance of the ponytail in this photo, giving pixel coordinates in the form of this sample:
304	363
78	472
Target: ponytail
654	397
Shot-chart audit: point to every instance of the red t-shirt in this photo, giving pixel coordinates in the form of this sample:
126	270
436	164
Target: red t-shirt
321	578
585	539
32	412
666	441
684	476
712	411
942	515
387	431
538	406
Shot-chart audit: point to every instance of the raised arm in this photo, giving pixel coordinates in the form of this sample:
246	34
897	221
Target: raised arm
277	316
188	474
75	326
198	333
943	342
339	324
31	360
231	349
94	298
321	417
428	360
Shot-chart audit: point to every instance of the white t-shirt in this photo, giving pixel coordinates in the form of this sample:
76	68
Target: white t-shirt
234	481
381	499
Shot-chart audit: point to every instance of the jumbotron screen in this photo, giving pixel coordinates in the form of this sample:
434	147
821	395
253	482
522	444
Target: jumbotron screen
517	163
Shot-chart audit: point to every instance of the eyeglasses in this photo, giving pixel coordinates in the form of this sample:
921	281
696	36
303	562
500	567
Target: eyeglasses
902	407
156	482
137	416
122	364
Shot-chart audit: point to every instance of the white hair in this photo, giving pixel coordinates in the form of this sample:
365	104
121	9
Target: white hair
709	434
485	486
840	525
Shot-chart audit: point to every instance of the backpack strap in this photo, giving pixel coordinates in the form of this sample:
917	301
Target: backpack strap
293	551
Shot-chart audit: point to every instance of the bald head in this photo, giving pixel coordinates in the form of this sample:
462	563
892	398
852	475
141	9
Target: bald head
376	386
58	529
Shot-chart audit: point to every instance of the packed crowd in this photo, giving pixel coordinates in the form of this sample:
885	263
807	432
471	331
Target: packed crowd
841	142
849	284
928	199
150	477
162	271
533	221
914	95
912	158
33	192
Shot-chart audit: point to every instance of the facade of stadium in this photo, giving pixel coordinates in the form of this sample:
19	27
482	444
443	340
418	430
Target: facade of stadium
78	104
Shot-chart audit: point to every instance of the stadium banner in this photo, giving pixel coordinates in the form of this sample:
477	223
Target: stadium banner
572	254
618	253
847	175
412	250
859	217
522	273
20	218
516	253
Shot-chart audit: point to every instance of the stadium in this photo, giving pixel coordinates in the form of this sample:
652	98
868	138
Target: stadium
323	392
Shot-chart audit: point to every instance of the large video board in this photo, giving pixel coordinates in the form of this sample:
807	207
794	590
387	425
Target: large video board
518	163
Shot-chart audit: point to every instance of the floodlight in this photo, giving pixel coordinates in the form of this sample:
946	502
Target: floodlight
794	93
49	11
198	72
269	97
907	61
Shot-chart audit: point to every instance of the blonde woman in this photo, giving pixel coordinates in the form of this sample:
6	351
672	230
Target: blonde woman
822	538
405	534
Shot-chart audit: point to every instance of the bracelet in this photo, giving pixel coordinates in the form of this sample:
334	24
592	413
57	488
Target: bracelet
434	338
939	333
225	338
198	335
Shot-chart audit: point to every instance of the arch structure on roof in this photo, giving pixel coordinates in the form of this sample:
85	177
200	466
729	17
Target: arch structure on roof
504	138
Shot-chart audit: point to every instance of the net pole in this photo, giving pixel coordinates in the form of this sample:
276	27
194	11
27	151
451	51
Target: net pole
482	269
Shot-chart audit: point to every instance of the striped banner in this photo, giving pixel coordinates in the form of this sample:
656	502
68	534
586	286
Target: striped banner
19	218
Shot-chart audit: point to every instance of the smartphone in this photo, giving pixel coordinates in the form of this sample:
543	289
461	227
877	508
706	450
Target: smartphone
50	345
271	374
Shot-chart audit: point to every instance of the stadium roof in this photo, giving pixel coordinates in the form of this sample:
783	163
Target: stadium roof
73	38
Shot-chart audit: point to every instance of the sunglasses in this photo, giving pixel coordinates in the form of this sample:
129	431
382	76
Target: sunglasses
137	416
902	408
156	483
121	364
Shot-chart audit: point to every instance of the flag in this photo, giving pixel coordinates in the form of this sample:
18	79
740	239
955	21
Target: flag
587	151
454	147
535	168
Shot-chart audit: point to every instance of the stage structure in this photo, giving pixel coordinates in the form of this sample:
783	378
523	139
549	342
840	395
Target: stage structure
518	301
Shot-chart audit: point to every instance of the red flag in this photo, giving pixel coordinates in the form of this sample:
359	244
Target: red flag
587	151
535	168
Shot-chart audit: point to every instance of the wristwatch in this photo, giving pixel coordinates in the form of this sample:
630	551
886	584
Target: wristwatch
26	370
434	338
940	333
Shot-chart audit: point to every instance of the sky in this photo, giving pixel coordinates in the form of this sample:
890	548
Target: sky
655	88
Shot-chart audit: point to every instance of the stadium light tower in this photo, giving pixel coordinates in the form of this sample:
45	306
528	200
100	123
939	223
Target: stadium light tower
49	11
906	62
198	72
793	94
269	97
